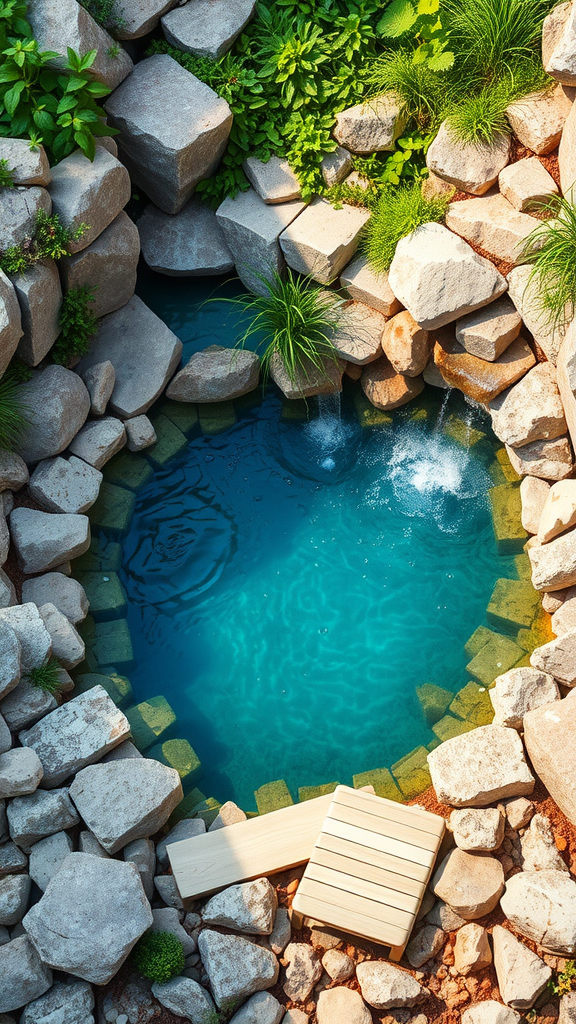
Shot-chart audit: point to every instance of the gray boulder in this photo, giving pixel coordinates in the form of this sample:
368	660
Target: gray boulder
126	800
100	380
360	282
47	857
143	352
141	853
236	967
205	30
7	594
173	129
167	919
336	166
249	907
542	906
9	657
19	209
185	829
262	1008
251	230
76	734
39	296
5	737
28	166
186	998
99	440
187	244
13	472
23	976
138	17
303	970
34	640
108	265
373	126
65	593
67	1002
57	24
384	986
44	540
57	405
12	859
567	1009
89	193
91	915
10	321
274	180
20	772
65	485
322	240
25	704
31	818
67	645
140	433
216	374
14	897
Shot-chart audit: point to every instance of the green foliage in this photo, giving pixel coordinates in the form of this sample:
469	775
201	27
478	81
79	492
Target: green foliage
105	13
481	117
295	321
6	175
19	371
12	410
78	324
565	981
399	212
422	90
551	251
54	106
49	241
494	38
422	21
159	956
46	677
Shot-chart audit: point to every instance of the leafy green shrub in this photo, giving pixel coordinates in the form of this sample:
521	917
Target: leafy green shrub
399	212
12	410
6	175
50	240
78	324
159	956
551	250
294	320
105	13
423	21
46	677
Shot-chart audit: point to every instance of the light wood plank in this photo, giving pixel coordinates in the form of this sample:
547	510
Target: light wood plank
402	868
415	817
410	854
391	829
360	869
355	903
359	917
339	880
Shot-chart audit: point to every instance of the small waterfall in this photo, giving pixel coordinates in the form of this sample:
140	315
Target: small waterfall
442	413
330	406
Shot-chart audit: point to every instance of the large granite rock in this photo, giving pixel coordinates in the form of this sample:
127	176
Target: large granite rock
559	44
322	240
57	405
33	638
531	410
493	225
537	120
28	166
23	976
251	230
91	915
439	278
44	540
143	351
186	998
40	814
542	906
360	282
521	690
341	1006
67	1002
479	767
99	440
57	24
188	244
274	180
521	974
19	209
488	332
386	388
20	772
173	129
470	883
139	17
549	738
10	655
126	800
406	344
558	658
236	967
76	734
216	374
65	485
90	193
383	985
481	380
551	460
470	167
205	29
39	297
249	907
371	127
108	265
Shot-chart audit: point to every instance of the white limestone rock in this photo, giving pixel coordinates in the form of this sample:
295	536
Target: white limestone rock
567	1009
34	640
126	800
67	645
439	278
108	266
67	1002
539	851
20	772
274	180
527	184
533	492
28	166
472	951
76	734
383	985
469	167
521	974
480	767
550	460
479	829
424	945
47	857
559	44
488	332
216	374
322	240
303	970
490	1012
249	907
336	166
89	193
360	282
44	540
65	593
140	433
493	224
558	658
236	967
186	998
57	24
91	915
173	129
340	1006
521	690
57	405
373	126
208	31
23	976
357	336
559	512
542	906
251	229
524	291
530	410
39	297
537	120
190	243
470	883
31	818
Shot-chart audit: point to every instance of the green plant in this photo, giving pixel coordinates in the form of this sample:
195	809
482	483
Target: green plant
159	956
50	240
480	117
399	212
105	13
78	324
551	251
19	371
565	981
6	175
12	410
493	38
421	89
293	320
46	677
422	21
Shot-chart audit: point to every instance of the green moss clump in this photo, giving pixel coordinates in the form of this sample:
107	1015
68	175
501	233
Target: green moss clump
159	956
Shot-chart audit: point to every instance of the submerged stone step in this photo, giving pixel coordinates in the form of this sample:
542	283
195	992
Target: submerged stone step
472	704
186	806
367	414
106	595
478	640
506	505
434	701
272	796
108	645
513	605
382	781
128	470
178	754
183	415
151	720
113	510
539	634
216	417
117	687
170	441
498	655
412	773
102	555
449	726
311	792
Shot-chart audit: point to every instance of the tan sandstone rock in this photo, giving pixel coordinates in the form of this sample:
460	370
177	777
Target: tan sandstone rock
558	658
549	736
527	184
559	512
471	168
488	332
479	379
559	44
551	460
358	334
322	240
530	410
470	883
406	344
386	388
554	564
360	282
472	949
518	691
537	120
493	224
533	493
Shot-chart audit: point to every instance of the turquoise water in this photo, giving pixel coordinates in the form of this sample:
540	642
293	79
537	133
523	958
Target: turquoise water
292	581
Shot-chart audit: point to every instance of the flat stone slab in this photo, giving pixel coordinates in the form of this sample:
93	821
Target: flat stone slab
190	243
551	460
542	906
216	374
76	734
58	24
439	278
44	540
358	334
492	224
322	240
360	282
385	388
23	976
139	17
274	181
143	351
488	332
206	30
57	405
371	127
92	914
90	193
65	485
469	167
480	767
251	230
477	378
108	265
126	799
173	129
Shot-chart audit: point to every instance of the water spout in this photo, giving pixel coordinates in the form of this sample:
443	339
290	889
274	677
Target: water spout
442	413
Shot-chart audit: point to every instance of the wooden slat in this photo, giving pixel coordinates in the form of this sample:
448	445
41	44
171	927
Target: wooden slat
391	829
353	914
414	817
409	854
360	869
260	846
402	868
340	881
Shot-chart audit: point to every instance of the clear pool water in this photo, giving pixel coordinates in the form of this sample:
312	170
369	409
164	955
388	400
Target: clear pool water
292	581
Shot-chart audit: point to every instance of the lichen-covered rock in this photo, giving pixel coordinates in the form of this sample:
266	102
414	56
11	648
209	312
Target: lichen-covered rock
384	986
204	29
216	374
173	129
29	166
190	243
373	126
44	540
67	1002
57	405
91	915
249	907
322	240
542	906
108	265
470	167
39	297
479	767
521	690
58	24
531	410
236	967
386	388
186	998
89	194
23	976
537	120
470	883
252	230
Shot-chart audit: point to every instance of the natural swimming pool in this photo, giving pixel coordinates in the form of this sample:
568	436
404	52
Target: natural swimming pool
293	579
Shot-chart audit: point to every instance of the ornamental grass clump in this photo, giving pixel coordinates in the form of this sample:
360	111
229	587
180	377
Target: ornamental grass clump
12	410
159	956
399	212
46	677
551	251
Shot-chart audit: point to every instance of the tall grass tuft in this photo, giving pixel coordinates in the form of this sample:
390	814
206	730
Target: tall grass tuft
480	117
400	211
551	251
46	677
422	91
12	410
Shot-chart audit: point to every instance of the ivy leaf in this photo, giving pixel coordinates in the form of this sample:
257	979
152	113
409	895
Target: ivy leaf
397	20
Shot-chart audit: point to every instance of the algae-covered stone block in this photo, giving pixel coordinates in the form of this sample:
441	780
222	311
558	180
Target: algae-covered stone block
472	704
150	721
113	645
180	755
506	505
513	605
216	417
170	441
102	555
186	806
128	470
184	415
433	700
506	466
105	594
367	414
208	810
448	727
311	792
496	657
272	796
459	430
478	640
117	687
381	779
540	633
523	567
113	510
412	773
